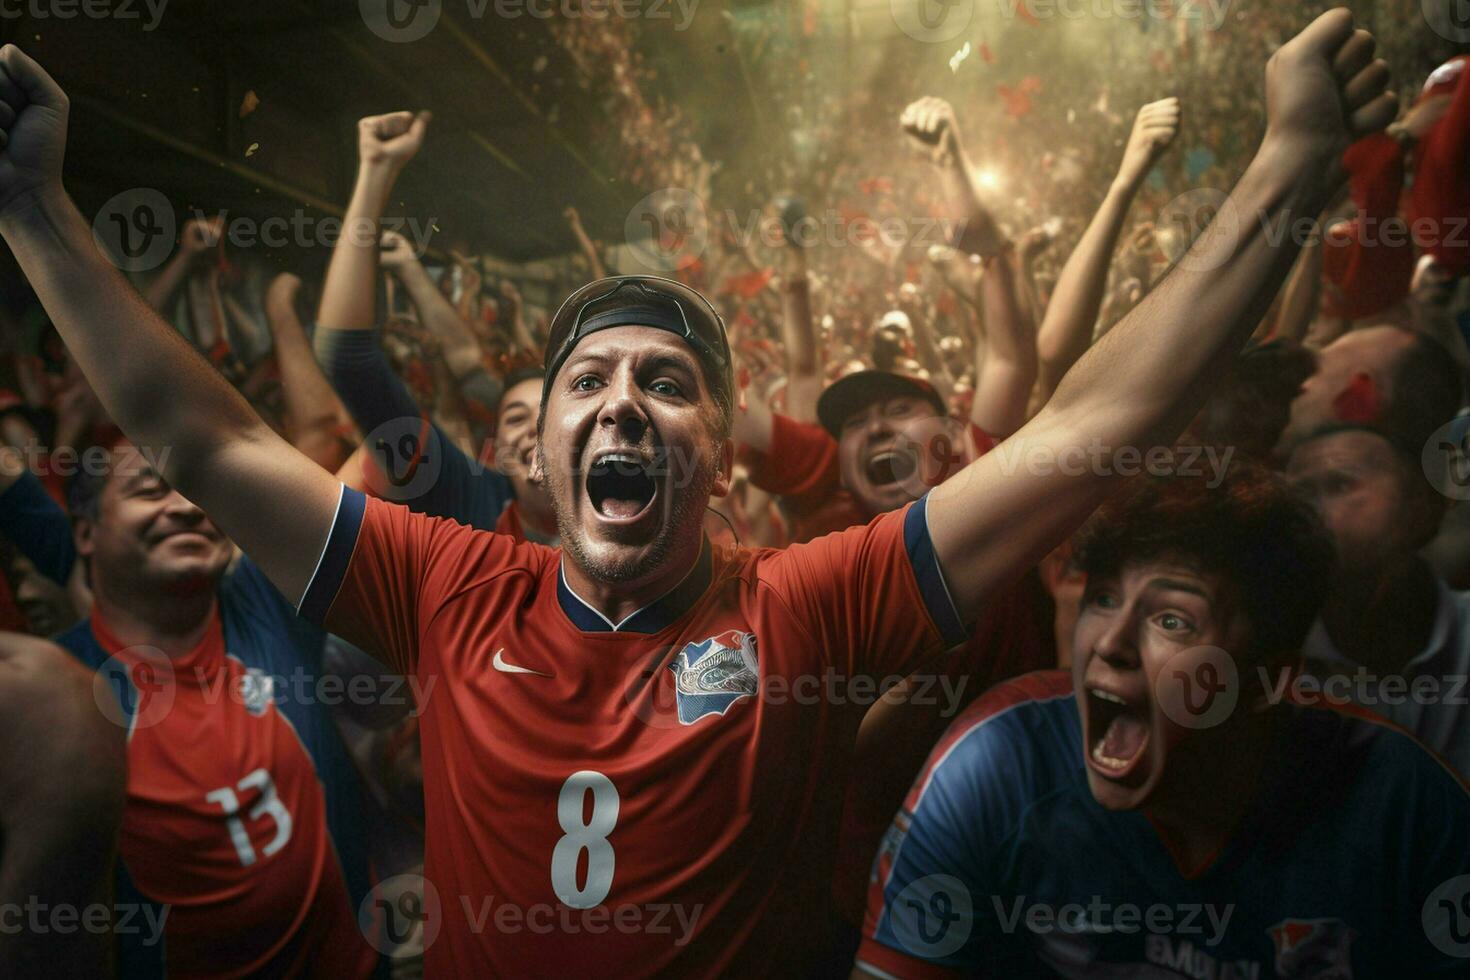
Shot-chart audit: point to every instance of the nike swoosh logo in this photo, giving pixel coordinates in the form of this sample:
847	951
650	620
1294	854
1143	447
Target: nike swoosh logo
500	665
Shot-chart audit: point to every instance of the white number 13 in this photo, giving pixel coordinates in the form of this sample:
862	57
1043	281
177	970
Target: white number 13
590	836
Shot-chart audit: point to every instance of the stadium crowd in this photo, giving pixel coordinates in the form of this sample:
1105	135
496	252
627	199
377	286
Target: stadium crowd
1077	592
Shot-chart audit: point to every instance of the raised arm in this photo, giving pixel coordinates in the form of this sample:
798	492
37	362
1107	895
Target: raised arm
1003	384
273	501
314	415
1067	327
804	379
197	238
585	245
460	348
1139	386
62	769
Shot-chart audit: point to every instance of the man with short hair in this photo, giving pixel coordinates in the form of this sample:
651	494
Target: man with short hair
243	836
1162	812
1393	636
642	698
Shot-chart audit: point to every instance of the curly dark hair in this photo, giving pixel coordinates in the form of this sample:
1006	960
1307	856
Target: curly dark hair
1253	531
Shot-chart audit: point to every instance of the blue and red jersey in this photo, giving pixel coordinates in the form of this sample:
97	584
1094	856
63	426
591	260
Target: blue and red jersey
1353	860
655	796
243	832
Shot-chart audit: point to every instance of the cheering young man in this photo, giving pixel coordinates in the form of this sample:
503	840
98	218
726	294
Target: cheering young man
1164	811
630	767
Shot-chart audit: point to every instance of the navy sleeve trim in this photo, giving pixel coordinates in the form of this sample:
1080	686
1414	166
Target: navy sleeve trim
930	576
331	567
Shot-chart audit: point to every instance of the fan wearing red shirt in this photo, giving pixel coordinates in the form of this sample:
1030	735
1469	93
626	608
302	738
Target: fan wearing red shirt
627	760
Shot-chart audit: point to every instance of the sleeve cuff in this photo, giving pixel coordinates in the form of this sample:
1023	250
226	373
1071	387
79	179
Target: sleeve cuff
331	565
932	587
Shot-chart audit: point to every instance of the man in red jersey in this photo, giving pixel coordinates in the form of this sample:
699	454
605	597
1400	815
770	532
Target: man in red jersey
630	768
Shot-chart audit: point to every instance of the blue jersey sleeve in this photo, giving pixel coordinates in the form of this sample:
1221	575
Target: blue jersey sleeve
38	527
441	481
939	885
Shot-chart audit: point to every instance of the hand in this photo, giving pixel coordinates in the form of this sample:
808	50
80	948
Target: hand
511	294
391	140
282	291
470	279
396	252
1324	89
199	235
931	127
33	111
1153	130
573	218
1029	245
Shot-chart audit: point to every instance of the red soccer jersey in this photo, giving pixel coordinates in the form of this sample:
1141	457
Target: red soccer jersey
655	797
226	826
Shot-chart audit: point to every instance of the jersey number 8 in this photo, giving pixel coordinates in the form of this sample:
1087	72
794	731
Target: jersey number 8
589	835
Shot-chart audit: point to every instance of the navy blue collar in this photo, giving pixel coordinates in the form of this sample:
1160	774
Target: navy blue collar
651	618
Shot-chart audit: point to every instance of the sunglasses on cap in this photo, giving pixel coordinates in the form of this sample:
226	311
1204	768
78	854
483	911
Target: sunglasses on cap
640	301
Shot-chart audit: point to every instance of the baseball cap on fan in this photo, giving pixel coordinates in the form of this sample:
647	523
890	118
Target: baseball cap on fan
644	301
855	392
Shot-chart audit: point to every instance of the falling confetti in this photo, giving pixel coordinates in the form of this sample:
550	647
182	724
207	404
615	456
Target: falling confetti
250	150
959	57
249	103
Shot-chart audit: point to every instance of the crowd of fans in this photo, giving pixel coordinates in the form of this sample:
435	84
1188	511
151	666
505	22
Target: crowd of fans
1310	495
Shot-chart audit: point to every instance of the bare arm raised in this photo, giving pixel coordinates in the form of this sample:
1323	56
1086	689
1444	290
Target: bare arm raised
272	500
1139	386
1066	330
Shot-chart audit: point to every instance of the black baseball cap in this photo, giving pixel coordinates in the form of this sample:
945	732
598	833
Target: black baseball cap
643	301
855	392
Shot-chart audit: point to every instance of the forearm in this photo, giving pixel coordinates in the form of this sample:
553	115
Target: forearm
349	294
205	316
798	333
1003	381
978	230
1142	383
589	251
1066	328
460	348
311	404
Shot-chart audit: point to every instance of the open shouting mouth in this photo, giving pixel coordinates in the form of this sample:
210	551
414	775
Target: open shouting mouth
1117	733
888	467
621	486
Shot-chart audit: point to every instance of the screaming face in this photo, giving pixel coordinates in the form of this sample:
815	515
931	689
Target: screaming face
1137	631
630	452
876	462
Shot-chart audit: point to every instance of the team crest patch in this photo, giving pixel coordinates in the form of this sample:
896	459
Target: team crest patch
257	690
1319	949
713	674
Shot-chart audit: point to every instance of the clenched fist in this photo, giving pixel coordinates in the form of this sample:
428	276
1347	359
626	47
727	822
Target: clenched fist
930	124
33	112
392	139
1324	88
1153	130
396	252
